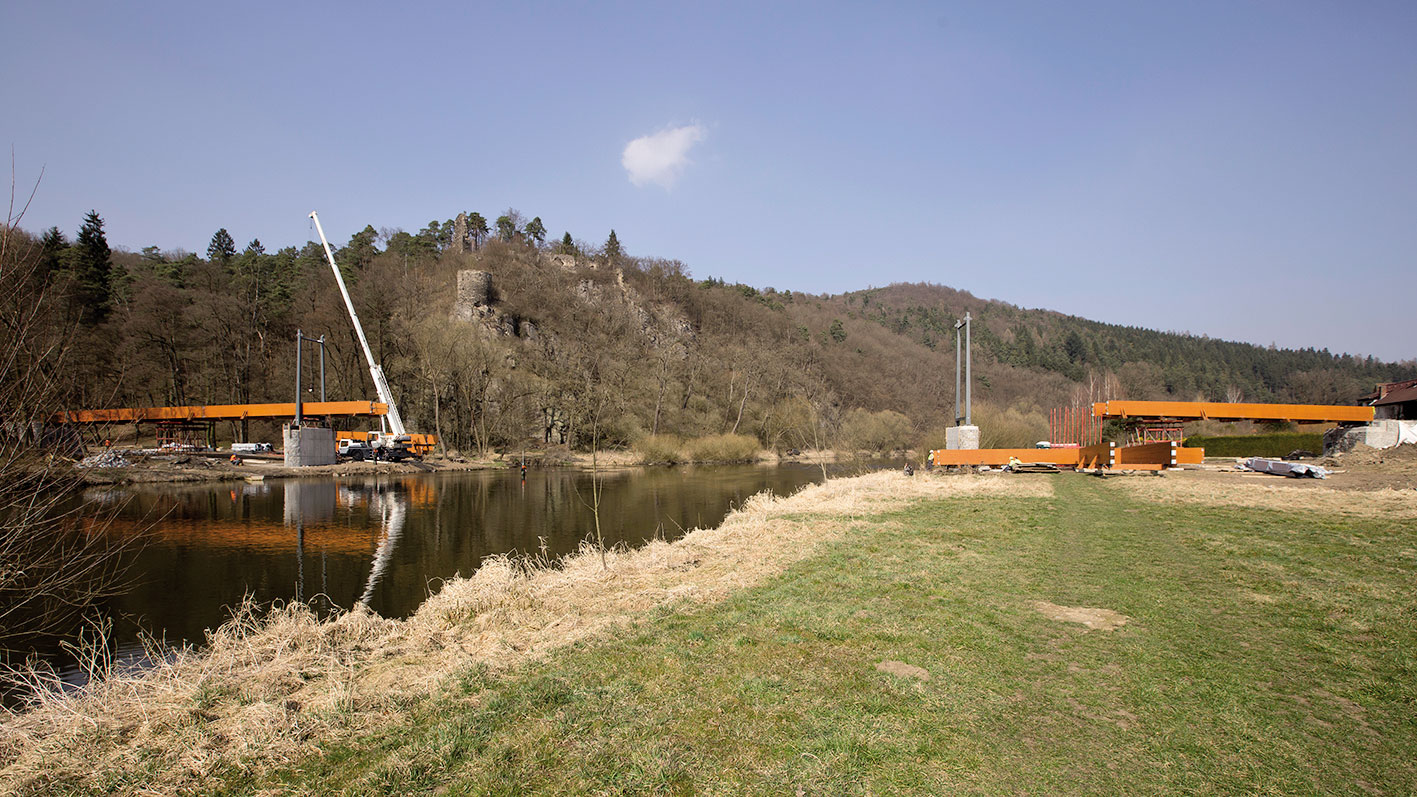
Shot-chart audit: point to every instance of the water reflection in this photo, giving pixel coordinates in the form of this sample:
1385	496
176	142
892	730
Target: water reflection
386	540
392	510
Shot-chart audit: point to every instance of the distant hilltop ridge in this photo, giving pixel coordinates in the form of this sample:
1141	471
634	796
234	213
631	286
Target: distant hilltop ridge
506	340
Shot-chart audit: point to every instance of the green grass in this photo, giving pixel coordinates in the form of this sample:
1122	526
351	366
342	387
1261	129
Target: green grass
1277	444
1266	652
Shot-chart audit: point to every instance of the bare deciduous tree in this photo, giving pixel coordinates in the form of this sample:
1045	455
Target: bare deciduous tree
55	558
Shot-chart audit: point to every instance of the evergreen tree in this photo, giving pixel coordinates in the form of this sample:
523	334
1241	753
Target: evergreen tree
361	249
568	246
51	254
175	272
431	237
405	245
477	228
506	228
613	250
222	248
92	265
1075	348
536	231
249	264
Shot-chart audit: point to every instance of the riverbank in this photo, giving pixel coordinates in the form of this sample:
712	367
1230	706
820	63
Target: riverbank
137	466
877	634
262	690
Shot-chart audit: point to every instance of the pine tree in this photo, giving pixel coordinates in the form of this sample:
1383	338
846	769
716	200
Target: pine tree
1074	347
536	231
51	255
506	228
613	250
477	228
568	246
361	249
430	237
92	266
248	265
222	248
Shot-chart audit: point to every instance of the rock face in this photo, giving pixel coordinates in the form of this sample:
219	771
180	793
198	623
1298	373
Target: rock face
475	305
566	262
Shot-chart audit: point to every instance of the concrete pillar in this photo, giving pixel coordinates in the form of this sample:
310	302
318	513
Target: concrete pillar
962	437
309	445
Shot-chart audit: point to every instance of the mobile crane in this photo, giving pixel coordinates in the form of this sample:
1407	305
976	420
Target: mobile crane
394	442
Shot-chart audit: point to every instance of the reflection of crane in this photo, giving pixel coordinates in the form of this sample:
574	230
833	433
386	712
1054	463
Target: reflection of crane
393	510
400	436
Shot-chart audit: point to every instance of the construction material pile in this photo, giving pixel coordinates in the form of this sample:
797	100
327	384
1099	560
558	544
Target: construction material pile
1280	467
105	459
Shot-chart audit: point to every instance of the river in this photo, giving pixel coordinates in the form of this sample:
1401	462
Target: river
384	540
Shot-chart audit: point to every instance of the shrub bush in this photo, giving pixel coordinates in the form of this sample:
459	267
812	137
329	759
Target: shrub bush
930	439
668	449
877	432
1011	427
722	448
1257	445
659	449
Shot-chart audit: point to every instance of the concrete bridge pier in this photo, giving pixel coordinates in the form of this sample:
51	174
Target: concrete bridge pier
308	445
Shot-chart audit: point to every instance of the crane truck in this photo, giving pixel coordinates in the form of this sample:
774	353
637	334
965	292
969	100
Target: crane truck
393	441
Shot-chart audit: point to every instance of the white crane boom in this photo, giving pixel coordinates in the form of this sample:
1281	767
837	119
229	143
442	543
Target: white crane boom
381	385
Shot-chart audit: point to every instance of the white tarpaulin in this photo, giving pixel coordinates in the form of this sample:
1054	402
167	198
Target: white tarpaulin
1407	432
1281	468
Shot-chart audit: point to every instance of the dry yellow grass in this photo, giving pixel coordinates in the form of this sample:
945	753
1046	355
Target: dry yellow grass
263	690
1233	490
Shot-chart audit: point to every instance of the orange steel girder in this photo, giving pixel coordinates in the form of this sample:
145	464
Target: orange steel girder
1224	411
1063	457
1163	454
1100	455
221	412
1166	454
1150	456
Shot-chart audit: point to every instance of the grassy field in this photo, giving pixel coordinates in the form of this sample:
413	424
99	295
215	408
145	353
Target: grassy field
1261	651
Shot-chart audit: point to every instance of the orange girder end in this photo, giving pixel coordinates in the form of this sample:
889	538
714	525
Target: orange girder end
1225	411
220	412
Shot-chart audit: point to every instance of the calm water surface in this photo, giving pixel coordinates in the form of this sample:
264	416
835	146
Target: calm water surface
387	540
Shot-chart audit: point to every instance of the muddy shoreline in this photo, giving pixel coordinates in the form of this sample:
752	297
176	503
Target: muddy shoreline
146	467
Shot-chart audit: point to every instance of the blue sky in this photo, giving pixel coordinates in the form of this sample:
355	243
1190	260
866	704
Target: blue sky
1246	170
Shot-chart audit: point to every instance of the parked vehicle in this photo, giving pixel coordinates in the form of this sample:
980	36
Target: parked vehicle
352	449
379	446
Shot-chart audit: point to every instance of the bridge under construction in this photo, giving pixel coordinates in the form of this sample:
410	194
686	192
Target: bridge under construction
222	412
1160	443
195	425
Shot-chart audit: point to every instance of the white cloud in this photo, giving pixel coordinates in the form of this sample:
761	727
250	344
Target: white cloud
660	157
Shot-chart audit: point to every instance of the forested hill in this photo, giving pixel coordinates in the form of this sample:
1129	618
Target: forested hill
1148	364
570	341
